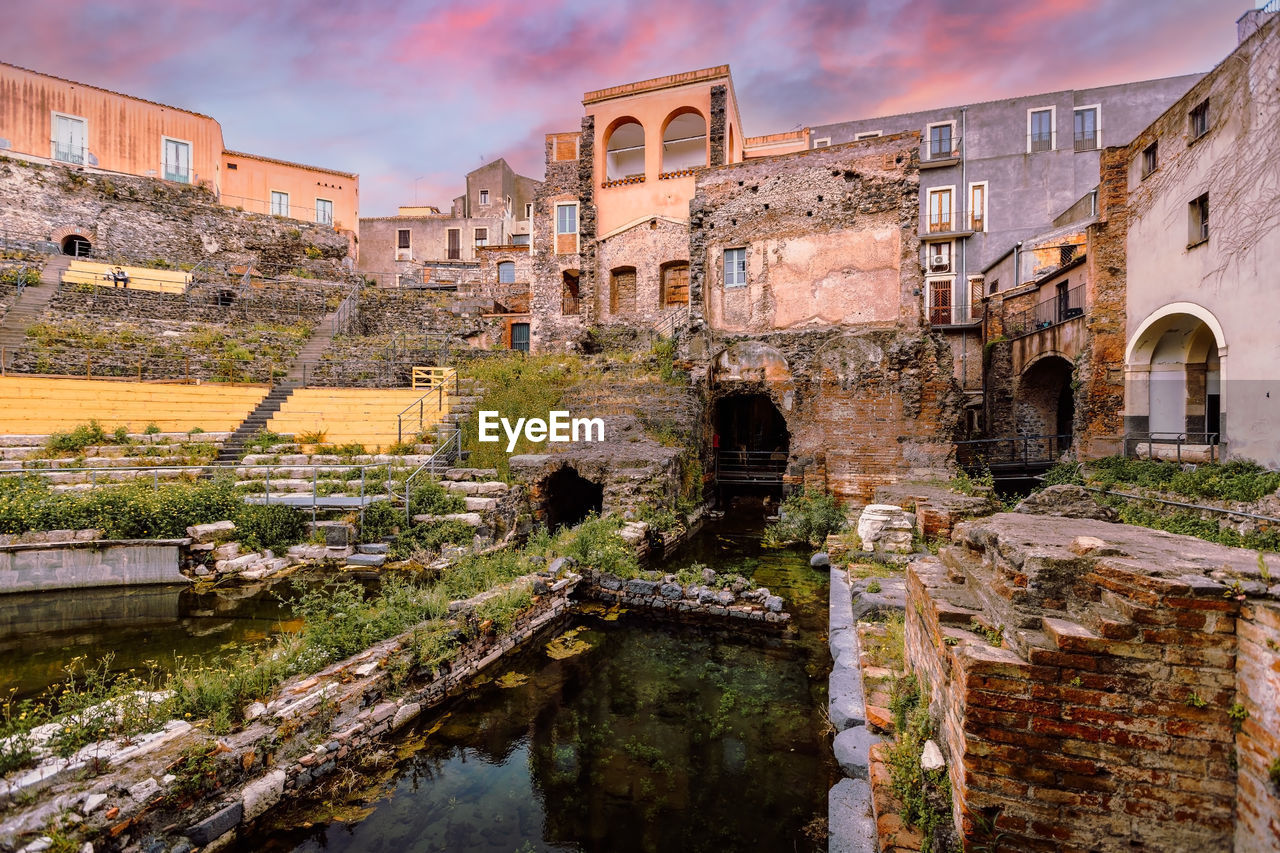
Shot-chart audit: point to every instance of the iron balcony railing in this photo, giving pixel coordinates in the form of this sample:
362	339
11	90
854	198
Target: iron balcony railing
1058	309
1087	140
940	148
65	152
946	221
1037	142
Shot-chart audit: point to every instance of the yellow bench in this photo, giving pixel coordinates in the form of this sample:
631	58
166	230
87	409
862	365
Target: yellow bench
139	278
368	416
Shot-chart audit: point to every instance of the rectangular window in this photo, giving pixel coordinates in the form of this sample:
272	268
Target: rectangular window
528	211
939	257
869	134
569	295
70	139
324	211
177	160
454	252
735	267
520	336
402	238
482	236
279	203
519	239
978	206
1150	158
1086	129
822	143
940	141
506	272
940	302
566	229
1199	220
484	196
940	208
1040	130
1200	119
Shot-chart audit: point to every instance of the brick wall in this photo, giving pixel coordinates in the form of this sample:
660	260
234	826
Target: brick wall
1100	719
551	327
1258	743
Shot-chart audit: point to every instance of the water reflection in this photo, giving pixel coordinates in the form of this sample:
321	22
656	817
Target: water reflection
628	735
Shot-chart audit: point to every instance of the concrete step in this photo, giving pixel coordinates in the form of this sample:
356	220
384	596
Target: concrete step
372	548
372	560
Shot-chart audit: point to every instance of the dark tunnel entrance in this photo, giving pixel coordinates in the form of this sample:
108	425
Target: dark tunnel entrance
568	498
751	442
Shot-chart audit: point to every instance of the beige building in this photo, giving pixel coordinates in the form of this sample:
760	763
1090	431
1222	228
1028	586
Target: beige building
1196	200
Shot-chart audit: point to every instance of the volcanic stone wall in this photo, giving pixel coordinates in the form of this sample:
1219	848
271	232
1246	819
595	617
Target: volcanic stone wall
141	219
1089	679
568	179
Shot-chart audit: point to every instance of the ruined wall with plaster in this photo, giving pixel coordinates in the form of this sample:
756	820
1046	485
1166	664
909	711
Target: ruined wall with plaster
557	320
829	234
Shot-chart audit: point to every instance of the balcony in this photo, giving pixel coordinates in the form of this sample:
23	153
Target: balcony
1038	142
949	224
64	152
1087	141
622	182
1065	306
939	152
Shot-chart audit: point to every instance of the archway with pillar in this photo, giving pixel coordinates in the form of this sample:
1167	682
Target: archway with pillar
1174	367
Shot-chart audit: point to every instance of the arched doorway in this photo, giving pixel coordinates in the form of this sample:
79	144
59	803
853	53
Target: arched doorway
77	245
684	141
752	442
624	151
1046	401
568	498
1174	367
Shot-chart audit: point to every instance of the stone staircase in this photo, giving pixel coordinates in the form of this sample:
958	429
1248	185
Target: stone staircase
256	421
28	308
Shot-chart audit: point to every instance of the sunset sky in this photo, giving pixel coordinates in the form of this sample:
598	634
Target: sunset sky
412	95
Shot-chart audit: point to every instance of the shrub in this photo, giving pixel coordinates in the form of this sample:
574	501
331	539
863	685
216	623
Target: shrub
379	520
431	498
807	518
78	439
152	429
430	537
273	526
131	511
1063	473
595	544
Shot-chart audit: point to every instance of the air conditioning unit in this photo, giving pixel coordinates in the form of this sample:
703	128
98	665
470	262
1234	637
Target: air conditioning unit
940	259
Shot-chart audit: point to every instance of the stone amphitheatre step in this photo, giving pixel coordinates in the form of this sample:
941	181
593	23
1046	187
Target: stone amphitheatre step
480	488
481	504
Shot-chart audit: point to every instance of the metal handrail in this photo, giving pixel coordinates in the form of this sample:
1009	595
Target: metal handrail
421	404
446	454
1048	448
1047	313
666	326
345	313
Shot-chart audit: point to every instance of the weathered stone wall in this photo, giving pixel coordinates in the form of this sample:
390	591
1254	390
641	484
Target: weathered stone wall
646	248
717	128
1092	710
693	602
80	564
567	180
513	296
141	219
830	238
864	408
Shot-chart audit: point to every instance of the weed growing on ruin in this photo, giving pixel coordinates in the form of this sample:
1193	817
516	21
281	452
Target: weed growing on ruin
887	646
1238	713
431	498
595	544
874	587
503	609
197	771
1240	480
924	795
994	636
424	541
263	440
978	484
1264	571
1195	701
273	526
1063	474
17	719
380	519
83	436
806	518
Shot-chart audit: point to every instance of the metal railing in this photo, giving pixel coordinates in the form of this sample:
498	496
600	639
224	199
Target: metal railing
101	478
63	152
946	221
346	313
1087	141
940	148
1049	312
1038	142
436	381
1018	453
449	451
673	321
750	467
1134	442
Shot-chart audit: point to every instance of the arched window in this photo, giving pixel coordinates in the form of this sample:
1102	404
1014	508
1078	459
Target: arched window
622	290
624	151
506	272
684	142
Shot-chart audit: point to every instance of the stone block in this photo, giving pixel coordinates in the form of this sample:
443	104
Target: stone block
210	532
884	527
852	750
216	825
850	821
261	794
405	715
